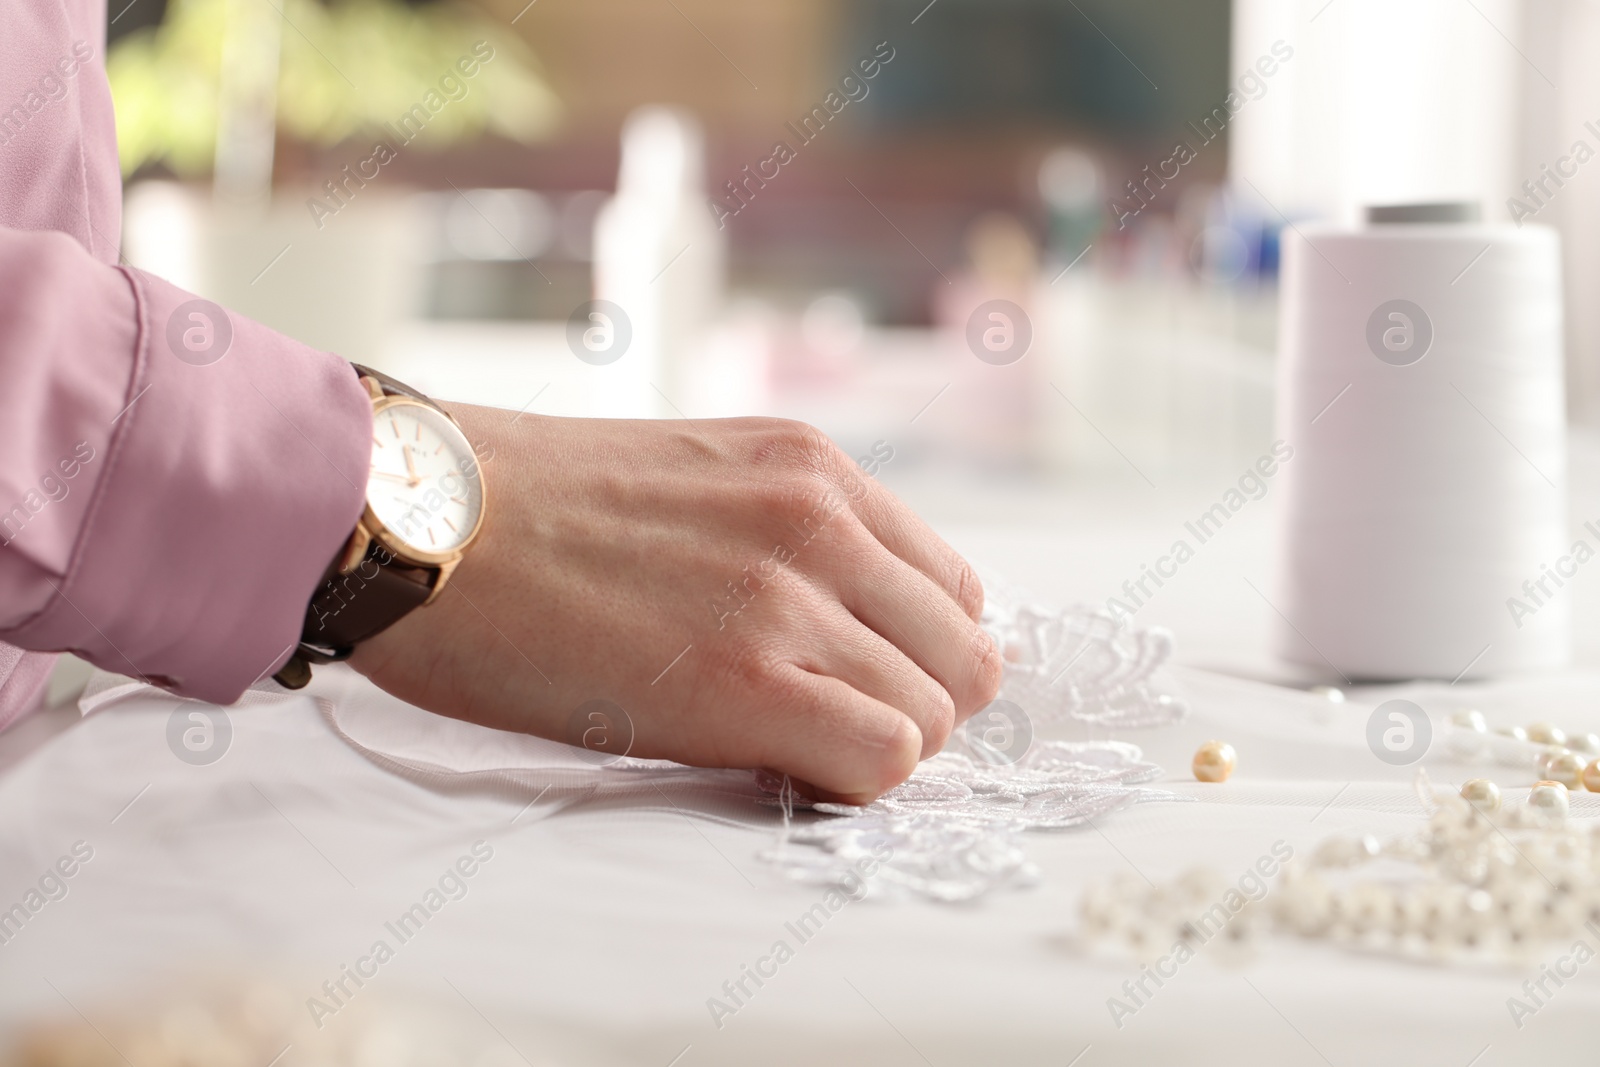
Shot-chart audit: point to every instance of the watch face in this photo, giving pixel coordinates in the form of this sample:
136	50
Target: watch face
425	488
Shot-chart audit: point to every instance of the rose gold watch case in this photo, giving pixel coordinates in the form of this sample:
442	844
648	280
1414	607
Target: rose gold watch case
371	528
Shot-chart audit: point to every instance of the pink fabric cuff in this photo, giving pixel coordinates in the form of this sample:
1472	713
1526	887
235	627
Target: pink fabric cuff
230	478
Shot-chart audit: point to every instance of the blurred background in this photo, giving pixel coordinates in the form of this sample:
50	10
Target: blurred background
806	208
1020	257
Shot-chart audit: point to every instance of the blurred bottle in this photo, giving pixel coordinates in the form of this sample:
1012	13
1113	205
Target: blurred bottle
1230	240
1070	186
659	257
990	307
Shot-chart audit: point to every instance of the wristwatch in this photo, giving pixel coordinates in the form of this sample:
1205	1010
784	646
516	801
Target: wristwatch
425	506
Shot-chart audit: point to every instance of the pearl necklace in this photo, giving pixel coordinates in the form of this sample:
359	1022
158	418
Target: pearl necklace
1482	880
1573	760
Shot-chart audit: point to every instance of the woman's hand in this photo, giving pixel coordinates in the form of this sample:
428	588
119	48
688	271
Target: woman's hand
738	587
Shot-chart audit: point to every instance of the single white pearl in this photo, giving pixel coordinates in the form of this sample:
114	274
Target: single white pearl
1370	908
1471	720
1101	912
1202	884
1516	733
1562	766
1584	744
1481	793
1542	733
1345	851
1307	907
1214	761
1416	908
1549	798
1332	694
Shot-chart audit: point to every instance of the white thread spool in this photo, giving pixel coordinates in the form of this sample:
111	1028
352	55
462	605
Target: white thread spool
1428	482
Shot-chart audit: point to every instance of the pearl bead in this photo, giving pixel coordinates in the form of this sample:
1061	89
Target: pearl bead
1307	906
1102	911
1471	720
1346	851
1516	733
1549	797
1591	777
1542	733
1481	794
1214	761
1331	694
1495	878
1562	766
1369	908
1585	744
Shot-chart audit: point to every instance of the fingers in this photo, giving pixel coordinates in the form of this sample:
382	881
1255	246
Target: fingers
874	667
902	532
799	447
906	608
847	745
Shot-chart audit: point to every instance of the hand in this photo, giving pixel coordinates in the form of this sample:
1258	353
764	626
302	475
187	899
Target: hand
831	635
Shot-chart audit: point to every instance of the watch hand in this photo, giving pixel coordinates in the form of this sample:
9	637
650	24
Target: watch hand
411	467
392	477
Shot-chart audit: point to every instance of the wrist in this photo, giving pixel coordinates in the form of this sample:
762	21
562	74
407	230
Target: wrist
425	503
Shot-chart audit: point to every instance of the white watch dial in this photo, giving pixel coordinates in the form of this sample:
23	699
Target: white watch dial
425	485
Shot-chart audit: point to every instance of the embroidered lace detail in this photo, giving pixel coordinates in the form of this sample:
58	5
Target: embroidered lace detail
1082	664
951	831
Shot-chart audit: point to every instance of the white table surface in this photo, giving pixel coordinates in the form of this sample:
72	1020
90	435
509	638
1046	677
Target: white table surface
596	934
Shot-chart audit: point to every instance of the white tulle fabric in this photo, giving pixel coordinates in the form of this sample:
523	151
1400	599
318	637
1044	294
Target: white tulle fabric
953	831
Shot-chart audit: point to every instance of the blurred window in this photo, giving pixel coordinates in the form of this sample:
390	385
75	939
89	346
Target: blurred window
1117	67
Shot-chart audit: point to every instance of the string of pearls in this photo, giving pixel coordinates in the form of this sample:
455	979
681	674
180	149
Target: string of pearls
1573	760
1483	879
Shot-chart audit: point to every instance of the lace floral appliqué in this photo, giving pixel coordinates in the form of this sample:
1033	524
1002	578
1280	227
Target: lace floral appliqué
952	831
1082	664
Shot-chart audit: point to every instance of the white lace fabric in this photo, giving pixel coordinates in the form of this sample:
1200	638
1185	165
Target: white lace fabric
955	827
952	831
1083	664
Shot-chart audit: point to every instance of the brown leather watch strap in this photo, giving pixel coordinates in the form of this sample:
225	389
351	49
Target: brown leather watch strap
374	595
350	608
360	603
390	385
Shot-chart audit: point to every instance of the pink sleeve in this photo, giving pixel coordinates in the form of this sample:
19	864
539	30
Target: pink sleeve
165	511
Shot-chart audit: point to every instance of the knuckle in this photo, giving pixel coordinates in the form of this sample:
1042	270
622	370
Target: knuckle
898	754
940	722
799	446
988	673
751	666
800	511
969	590
808	482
